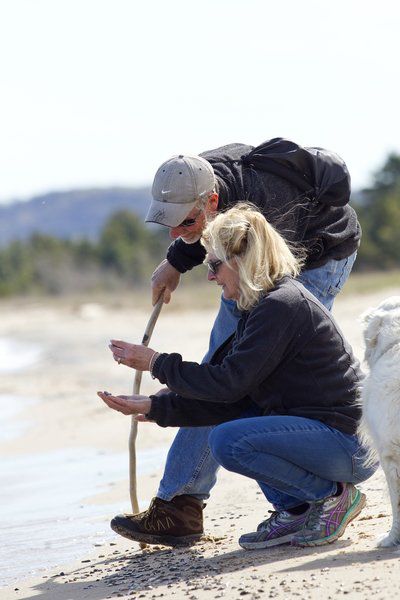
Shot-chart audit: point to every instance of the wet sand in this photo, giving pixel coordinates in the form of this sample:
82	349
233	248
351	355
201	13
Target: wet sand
68	425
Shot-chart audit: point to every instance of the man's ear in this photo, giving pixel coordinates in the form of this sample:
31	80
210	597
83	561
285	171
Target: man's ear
212	203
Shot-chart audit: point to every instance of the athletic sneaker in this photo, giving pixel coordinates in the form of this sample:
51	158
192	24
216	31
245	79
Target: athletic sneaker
327	519
278	529
172	523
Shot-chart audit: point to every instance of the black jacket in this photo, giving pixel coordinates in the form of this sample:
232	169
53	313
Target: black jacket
288	356
327	232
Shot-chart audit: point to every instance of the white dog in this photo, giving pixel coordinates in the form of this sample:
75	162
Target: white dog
380	423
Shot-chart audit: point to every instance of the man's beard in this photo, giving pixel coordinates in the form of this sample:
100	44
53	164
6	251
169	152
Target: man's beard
191	239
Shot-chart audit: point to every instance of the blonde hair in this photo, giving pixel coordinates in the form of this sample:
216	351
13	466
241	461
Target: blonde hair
261	253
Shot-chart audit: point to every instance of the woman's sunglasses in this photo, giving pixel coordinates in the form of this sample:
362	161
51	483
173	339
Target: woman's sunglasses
213	265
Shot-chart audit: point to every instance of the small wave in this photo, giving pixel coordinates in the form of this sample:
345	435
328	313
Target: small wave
11	407
15	356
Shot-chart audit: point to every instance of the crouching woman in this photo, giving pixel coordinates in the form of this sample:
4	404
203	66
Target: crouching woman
282	391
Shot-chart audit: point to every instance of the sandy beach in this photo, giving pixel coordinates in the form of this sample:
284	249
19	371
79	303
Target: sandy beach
64	475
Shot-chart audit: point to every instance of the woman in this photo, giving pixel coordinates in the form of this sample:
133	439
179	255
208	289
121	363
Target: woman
282	391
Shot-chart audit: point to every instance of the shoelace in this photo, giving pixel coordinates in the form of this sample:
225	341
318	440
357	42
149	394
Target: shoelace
264	524
155	513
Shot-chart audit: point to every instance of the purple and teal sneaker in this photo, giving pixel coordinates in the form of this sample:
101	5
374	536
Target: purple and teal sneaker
328	518
278	529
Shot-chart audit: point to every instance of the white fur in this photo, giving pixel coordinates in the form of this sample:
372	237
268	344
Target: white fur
380	423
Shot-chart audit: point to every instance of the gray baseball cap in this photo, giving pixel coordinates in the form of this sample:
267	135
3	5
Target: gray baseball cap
178	185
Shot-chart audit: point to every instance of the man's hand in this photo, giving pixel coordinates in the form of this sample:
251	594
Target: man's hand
164	280
131	355
128	405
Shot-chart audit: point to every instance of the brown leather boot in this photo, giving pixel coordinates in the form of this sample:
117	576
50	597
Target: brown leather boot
174	523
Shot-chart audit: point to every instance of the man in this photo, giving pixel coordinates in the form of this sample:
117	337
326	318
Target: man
189	190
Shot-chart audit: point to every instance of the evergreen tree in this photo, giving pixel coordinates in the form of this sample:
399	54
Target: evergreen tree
379	214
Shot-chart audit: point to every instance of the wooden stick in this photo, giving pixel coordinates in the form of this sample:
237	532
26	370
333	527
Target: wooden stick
134	423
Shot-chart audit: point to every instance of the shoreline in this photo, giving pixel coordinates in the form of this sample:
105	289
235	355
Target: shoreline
68	413
77	519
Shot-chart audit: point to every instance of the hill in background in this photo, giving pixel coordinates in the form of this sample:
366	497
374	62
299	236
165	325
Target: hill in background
75	214
69	215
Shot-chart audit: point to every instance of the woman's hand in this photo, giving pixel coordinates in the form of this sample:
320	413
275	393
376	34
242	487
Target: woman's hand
131	355
128	405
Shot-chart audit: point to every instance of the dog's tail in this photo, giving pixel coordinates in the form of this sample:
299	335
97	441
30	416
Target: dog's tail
364	433
365	437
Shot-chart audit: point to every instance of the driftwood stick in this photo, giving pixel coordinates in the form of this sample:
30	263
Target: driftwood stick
134	423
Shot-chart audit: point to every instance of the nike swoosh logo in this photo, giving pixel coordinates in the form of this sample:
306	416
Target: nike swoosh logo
165	191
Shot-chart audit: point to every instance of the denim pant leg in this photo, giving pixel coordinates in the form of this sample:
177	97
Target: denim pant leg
190	467
298	460
196	474
326	282
224	325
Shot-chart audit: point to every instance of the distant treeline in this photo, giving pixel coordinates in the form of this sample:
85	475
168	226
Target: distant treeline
379	214
127	251
125	255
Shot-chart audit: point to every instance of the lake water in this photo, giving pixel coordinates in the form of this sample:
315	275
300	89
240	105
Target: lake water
13	424
45	519
15	356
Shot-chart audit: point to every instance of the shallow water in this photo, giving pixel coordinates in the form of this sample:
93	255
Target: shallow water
13	422
45	520
15	356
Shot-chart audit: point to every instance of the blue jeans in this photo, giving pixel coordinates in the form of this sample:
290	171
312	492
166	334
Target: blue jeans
294	460
190	467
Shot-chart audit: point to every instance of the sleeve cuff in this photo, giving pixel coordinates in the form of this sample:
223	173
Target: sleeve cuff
156	412
156	368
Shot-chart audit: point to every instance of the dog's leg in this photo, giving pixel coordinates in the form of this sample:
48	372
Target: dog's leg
391	468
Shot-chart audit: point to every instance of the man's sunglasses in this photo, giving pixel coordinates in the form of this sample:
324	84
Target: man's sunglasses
190	222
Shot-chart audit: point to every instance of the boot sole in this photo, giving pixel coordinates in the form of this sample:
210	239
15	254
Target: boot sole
351	514
162	540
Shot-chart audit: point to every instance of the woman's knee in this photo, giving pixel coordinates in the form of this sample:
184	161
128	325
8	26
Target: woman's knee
230	446
220	442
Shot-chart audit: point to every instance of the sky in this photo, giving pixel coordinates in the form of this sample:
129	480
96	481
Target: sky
101	92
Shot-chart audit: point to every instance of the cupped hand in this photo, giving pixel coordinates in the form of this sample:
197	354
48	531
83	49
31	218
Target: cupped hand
135	405
131	355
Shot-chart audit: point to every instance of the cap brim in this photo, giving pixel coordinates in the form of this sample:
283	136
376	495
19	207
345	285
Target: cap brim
168	213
